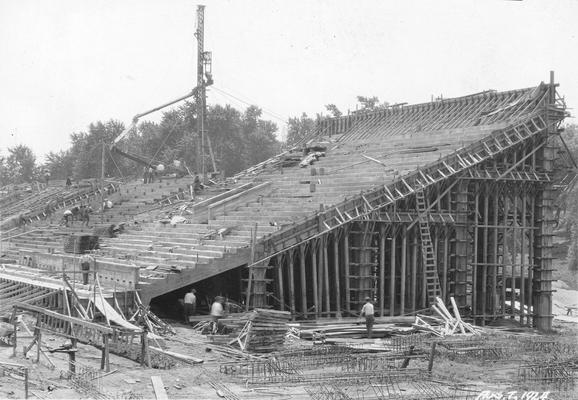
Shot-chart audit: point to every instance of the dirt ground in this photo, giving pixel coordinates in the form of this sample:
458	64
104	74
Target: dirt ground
452	369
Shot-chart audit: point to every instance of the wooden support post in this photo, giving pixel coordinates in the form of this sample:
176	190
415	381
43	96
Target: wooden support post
381	270
337	274
414	272
280	281
303	279
291	283
145	356
514	254
431	356
346	269
462	237
392	272
72	356
38	344
485	255
326	275
445	264
320	269
26	383
314	276
531	247
495	255
105	359
506	239
523	260
15	334
403	268
475	280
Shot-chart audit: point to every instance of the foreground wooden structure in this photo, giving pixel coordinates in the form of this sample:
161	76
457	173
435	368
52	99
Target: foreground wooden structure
482	216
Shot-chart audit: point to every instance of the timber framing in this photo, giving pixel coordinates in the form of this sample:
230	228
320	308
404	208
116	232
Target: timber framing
486	206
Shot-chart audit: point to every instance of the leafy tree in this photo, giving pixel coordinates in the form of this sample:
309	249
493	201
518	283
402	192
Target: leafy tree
333	110
299	128
21	163
5	175
369	104
60	165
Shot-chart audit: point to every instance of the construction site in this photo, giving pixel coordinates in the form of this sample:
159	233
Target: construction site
441	215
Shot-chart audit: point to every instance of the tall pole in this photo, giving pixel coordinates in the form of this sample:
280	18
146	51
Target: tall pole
200	34
102	181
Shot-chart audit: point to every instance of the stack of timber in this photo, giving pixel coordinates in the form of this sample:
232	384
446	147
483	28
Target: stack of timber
446	325
262	330
354	328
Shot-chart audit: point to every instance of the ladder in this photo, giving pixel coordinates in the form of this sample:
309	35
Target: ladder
429	261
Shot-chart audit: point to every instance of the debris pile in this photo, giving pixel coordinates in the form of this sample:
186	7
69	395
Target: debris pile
264	331
447	325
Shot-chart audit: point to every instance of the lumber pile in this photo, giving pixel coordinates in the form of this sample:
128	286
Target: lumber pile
263	331
354	328
447	324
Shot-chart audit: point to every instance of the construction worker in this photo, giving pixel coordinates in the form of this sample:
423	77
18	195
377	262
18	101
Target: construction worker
190	304
67	217
217	312
86	260
368	312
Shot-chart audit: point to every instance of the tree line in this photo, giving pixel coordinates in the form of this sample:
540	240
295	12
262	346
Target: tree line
238	139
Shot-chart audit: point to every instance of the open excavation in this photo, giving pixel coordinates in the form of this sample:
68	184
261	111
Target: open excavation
401	253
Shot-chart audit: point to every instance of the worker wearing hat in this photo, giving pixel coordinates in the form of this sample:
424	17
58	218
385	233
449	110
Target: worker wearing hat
368	312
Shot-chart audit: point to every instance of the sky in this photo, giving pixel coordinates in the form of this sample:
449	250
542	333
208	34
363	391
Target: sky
67	63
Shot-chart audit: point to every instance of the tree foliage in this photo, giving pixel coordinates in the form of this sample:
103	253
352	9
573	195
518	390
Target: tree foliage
369	104
333	110
21	164
298	128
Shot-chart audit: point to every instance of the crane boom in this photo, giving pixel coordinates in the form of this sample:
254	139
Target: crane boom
138	116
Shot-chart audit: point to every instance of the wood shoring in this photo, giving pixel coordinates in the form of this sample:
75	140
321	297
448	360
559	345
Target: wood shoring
303	279
291	282
314	283
500	139
403	267
392	262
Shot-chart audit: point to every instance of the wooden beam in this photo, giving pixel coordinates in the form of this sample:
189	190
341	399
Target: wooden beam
432	204
403	268
314	276
414	273
346	269
337	274
392	273
291	283
159	388
279	263
303	279
381	269
326	276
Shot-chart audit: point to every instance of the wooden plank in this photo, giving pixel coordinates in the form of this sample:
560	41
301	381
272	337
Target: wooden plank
159	388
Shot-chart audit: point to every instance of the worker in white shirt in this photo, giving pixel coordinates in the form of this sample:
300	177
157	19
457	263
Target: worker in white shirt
190	303
217	312
368	312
